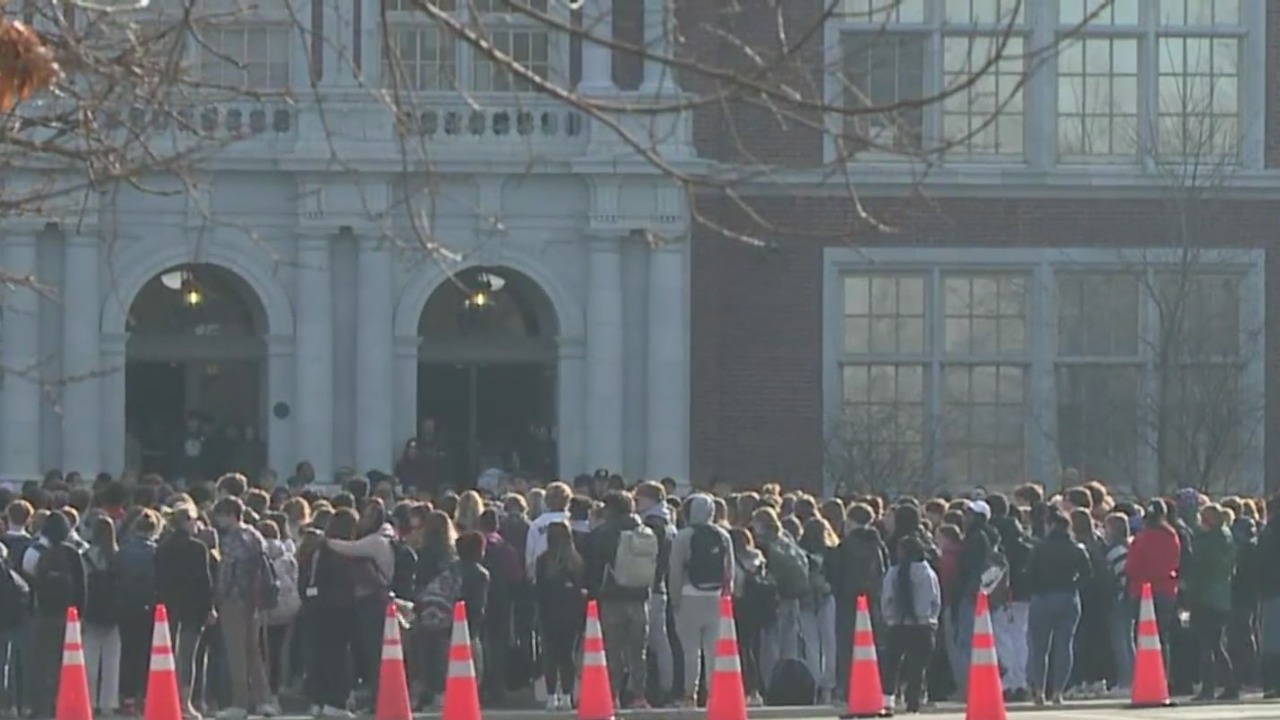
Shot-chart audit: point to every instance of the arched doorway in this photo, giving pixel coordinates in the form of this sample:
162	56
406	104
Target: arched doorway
194	375
487	375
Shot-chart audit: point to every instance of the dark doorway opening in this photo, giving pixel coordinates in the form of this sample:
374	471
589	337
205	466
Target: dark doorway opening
491	415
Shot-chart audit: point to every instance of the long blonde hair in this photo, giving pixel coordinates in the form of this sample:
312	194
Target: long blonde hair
469	508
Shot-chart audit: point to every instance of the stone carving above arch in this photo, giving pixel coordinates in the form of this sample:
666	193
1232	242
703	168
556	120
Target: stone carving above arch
569	312
141	259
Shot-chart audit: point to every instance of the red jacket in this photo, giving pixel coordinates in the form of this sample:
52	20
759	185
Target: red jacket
1153	558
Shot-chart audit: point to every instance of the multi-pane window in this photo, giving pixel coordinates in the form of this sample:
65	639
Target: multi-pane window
246	57
1103	80
422	55
1098	370
1132	368
897	91
1196	79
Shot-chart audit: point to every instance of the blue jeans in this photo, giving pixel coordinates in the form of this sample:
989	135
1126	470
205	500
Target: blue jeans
963	634
1123	619
1051	629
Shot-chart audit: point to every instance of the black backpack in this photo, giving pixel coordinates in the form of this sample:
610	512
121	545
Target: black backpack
52	583
15	598
705	567
791	685
760	596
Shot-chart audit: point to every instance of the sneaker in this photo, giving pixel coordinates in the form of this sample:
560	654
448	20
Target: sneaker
641	704
315	710
269	709
232	713
328	711
754	700
553	702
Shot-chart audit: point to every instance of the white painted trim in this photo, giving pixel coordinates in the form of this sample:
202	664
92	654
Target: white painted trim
142	258
1041	357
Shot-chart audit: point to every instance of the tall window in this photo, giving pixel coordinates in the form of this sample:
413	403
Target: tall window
888	66
246	57
1197	46
423	56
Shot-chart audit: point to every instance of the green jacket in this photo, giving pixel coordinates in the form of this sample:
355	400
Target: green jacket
1213	563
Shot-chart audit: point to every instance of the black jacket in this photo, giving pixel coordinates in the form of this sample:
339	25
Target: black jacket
863	562
602	548
184	578
1058	564
975	555
1016	544
1269	572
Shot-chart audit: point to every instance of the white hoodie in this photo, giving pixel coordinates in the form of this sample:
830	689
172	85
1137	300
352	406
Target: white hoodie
536	541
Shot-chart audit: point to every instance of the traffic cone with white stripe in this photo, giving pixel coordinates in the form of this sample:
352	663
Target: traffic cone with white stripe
727	698
595	692
461	694
73	685
393	692
162	702
986	696
1150	684
866	692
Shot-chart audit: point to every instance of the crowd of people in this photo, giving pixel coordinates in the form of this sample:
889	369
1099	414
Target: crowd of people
282	593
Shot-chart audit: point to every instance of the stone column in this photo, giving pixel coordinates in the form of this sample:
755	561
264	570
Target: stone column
81	359
313	400
597	58
112	430
281	366
405	423
375	360
19	361
667	412
604	354
658	77
570	428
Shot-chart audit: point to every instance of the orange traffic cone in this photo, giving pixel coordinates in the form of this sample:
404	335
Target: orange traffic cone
986	696
162	702
866	692
393	693
461	695
73	685
1150	684
595	693
727	698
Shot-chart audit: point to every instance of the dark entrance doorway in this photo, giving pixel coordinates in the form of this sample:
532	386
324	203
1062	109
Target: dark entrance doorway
194	375
491	416
487	375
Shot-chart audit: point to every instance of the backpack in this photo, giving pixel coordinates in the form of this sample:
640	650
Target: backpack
289	601
136	580
405	574
789	565
864	567
266	583
759	596
15	598
705	567
51	583
435	602
791	685
102	593
635	564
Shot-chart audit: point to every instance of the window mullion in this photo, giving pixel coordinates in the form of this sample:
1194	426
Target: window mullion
464	54
1149	84
1042	407
1147	481
935	317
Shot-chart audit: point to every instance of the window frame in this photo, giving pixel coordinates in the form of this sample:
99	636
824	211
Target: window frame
1042	358
1040	92
466	58
196	51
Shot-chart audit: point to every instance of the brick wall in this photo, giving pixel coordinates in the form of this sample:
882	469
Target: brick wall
756	314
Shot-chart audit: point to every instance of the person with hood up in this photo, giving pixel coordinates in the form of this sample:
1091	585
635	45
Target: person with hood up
375	536
702	568
620	550
1154	558
651	503
1057	569
1208	593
